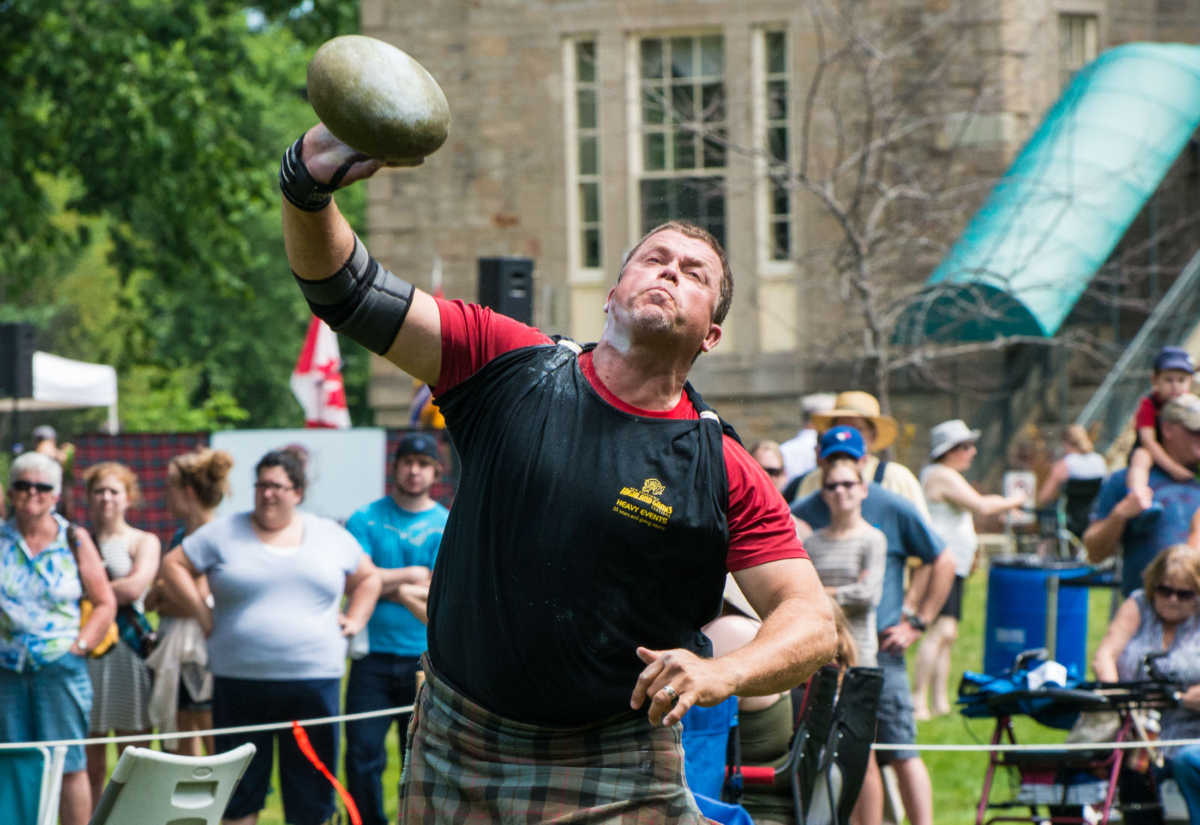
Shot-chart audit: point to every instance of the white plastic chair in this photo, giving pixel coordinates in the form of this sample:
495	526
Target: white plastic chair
155	788
18	766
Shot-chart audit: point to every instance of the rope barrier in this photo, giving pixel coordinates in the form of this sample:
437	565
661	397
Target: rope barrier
1044	747
371	714
154	737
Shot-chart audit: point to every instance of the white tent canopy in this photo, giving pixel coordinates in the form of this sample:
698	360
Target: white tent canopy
60	384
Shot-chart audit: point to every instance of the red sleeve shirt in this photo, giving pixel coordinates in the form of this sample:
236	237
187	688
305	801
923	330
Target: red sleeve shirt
760	524
1147	413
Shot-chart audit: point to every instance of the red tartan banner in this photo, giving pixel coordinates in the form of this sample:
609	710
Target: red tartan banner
148	455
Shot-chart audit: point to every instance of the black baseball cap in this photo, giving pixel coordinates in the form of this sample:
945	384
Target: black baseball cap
418	444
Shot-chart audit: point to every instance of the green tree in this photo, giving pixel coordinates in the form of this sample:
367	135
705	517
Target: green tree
141	141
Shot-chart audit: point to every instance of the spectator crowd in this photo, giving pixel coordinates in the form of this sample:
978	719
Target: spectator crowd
257	612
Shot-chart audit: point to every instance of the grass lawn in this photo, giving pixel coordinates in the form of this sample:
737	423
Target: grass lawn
957	777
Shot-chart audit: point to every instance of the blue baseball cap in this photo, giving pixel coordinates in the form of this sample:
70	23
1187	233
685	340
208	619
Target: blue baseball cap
1174	358
842	441
418	444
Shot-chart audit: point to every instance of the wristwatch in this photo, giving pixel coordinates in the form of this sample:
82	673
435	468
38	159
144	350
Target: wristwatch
916	621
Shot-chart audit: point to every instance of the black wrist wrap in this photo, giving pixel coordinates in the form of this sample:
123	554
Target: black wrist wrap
299	187
362	300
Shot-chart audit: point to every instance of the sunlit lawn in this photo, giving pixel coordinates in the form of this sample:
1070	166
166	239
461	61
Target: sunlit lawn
957	777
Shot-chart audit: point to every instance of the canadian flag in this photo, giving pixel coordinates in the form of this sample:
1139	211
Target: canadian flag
317	379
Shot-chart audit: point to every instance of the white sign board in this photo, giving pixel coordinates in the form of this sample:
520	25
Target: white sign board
1024	483
346	468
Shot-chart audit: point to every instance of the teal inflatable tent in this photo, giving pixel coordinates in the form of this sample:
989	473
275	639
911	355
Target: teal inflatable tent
1066	201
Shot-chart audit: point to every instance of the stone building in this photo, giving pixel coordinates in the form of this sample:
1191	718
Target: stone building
578	124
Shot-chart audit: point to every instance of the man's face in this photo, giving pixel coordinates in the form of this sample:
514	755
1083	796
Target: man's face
415	474
1168	384
1181	444
670	287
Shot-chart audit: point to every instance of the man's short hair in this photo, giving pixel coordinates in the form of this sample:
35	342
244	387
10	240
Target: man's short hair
700	234
1184	410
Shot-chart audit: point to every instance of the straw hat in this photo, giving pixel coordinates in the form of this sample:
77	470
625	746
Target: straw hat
859	404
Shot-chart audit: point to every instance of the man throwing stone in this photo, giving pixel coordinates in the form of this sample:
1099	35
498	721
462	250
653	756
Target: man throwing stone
401	533
600	505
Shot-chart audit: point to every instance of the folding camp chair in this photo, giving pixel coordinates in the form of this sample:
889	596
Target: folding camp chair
31	783
824	767
154	788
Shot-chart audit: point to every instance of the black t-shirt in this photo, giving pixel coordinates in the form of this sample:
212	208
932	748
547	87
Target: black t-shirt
579	531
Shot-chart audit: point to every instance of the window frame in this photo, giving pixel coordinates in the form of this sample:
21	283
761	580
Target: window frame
576	179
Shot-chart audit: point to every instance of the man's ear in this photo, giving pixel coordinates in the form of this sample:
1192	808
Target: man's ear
712	338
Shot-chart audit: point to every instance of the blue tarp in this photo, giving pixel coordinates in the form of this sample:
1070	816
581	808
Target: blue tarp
1066	201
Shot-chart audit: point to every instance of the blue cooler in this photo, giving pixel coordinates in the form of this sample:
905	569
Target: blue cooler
1023	592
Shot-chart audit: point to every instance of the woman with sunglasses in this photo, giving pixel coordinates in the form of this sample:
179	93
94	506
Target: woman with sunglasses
953	505
1163	617
850	556
120	679
45	568
277	633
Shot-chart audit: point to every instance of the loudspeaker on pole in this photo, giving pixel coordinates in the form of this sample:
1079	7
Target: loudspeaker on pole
16	360
506	285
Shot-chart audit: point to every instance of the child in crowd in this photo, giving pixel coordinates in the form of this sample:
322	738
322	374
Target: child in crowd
1171	378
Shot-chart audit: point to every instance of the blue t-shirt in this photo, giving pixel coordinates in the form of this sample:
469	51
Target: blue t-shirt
1150	532
907	535
394	537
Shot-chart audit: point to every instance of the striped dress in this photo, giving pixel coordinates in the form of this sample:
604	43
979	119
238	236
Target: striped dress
854	566
120	680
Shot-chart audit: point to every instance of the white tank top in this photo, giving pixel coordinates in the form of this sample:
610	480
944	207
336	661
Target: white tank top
1085	465
956	526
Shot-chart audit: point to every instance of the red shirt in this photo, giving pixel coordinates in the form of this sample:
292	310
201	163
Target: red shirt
1147	412
760	525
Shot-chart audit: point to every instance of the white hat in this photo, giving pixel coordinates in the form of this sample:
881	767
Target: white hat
948	435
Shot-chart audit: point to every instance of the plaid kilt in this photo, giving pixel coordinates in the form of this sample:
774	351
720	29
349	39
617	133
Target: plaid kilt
468	765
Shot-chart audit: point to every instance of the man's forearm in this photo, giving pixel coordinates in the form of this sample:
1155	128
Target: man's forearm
317	243
941	579
1102	537
394	576
796	639
918	588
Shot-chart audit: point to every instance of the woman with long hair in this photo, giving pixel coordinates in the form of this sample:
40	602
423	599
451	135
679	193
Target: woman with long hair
197	481
120	679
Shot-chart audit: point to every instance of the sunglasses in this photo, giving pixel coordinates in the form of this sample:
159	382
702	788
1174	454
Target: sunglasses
834	485
23	486
1168	592
272	487
773	471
